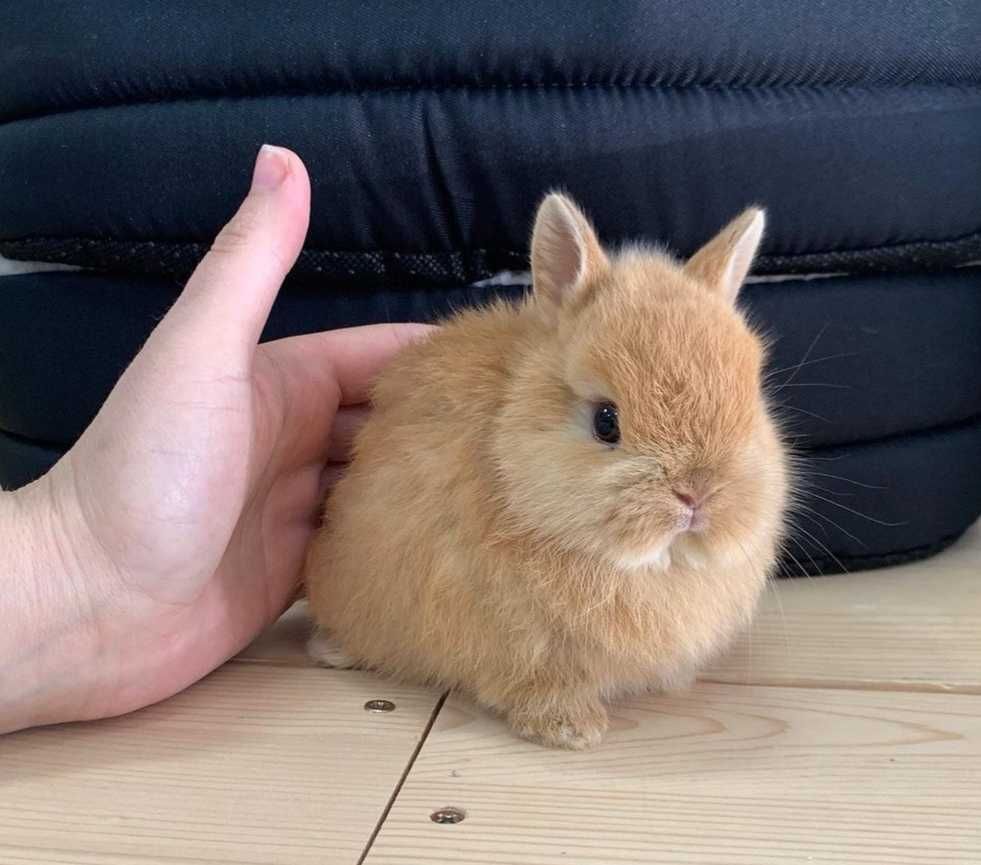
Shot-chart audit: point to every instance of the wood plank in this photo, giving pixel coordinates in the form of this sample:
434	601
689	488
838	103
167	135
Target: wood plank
256	764
914	627
723	774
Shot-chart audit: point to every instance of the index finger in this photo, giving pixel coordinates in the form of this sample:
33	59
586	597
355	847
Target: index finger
357	354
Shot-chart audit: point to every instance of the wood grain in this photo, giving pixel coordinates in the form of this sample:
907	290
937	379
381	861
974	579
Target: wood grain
869	751
724	774
914	627
256	764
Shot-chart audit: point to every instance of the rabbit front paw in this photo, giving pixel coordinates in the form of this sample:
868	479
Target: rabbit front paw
327	653
575	729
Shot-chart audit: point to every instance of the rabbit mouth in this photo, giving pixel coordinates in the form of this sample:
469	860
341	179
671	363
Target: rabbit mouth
692	520
687	536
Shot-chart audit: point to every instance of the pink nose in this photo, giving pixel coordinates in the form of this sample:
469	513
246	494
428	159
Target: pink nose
688	500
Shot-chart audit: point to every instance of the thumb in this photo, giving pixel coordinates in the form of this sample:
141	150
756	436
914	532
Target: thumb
225	304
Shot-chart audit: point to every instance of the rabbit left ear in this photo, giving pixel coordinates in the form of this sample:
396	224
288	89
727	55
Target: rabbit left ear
724	262
564	250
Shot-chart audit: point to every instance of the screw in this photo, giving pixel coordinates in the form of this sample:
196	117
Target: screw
448	815
379	706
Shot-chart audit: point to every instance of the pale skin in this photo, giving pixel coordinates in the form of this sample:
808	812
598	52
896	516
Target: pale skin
175	529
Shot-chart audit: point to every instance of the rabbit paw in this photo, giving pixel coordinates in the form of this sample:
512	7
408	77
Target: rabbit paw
573	730
327	653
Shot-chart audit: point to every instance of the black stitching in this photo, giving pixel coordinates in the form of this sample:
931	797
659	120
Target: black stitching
381	267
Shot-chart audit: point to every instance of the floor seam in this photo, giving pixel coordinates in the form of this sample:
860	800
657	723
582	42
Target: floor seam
402	779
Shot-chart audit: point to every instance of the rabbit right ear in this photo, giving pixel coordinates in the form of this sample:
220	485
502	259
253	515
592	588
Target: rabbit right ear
564	250
724	262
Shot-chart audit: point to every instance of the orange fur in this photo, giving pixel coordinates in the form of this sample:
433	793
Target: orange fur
484	540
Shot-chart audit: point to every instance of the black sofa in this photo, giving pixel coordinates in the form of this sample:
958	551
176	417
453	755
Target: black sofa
128	130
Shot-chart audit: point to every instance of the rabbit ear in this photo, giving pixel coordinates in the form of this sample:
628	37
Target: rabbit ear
724	262
564	250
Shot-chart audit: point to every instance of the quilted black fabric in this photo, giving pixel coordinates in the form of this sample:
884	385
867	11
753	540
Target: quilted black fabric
432	129
128	130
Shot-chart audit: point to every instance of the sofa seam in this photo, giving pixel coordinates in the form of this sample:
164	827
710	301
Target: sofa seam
472	87
6	242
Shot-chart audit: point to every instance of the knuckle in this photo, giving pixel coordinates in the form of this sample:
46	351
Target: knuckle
232	239
243	236
238	234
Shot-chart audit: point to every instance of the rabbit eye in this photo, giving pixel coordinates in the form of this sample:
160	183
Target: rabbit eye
606	424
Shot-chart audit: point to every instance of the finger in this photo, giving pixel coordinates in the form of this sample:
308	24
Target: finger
356	355
318	373
226	302
347	423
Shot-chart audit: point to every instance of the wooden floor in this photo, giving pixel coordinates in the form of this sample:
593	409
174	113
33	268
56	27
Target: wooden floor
845	728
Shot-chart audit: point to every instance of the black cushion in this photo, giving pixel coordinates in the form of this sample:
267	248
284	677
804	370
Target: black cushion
128	130
432	129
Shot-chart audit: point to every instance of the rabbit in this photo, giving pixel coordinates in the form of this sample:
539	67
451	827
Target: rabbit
565	499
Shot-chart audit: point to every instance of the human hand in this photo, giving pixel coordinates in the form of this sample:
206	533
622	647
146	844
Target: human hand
175	529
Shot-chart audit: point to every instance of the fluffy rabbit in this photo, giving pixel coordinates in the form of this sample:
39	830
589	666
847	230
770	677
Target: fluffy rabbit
565	499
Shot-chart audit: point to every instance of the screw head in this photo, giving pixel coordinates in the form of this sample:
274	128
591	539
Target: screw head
379	706
448	815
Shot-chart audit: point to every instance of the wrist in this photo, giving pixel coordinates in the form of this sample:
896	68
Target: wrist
49	641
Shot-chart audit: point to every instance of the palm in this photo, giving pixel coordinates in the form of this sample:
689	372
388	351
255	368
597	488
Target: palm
206	519
206	514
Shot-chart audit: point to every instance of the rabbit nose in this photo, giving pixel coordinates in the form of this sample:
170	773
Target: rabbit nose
694	518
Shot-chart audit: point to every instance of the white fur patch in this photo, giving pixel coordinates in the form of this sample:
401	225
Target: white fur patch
690	553
659	557
327	653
